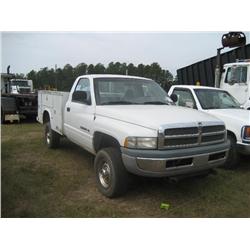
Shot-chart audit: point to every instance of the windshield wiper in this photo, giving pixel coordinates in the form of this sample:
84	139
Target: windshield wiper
117	102
218	107
157	103
213	107
133	103
233	107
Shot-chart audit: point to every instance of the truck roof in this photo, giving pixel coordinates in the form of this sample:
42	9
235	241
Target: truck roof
113	76
238	63
19	79
196	87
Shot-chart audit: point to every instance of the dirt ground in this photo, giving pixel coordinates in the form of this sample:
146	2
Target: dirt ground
39	182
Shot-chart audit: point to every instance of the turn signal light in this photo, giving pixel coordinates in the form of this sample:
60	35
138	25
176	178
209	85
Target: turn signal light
247	133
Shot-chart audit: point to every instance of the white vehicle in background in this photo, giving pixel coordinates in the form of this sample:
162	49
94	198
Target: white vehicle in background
132	127
236	80
17	86
234	77
221	104
21	86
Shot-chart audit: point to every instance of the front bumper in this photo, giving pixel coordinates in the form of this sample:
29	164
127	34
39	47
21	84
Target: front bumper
243	148
177	162
28	110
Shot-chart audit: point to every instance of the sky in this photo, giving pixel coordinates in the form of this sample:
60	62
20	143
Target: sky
26	51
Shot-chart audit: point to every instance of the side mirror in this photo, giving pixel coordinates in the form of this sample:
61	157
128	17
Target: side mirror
81	97
174	97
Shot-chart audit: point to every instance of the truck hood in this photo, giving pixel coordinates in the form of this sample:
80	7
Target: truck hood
240	115
153	116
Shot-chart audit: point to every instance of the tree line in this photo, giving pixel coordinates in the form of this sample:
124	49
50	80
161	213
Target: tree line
63	78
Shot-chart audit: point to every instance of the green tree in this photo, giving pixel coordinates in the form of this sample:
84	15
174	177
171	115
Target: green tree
68	74
155	72
32	75
132	70
80	69
141	70
116	68
99	69
91	69
65	77
175	81
111	68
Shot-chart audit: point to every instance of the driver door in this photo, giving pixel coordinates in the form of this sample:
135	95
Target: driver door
79	117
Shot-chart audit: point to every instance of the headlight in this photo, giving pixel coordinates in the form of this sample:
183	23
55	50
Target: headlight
141	142
246	133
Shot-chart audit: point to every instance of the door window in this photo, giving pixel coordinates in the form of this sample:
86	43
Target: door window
185	98
236	75
84	85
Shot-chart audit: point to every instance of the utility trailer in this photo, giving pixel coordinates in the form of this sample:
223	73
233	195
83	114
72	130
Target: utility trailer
54	101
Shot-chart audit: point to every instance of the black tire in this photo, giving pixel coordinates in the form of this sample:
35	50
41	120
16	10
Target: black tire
232	160
111	176
2	117
52	139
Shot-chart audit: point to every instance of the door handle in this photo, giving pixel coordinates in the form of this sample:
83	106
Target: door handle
68	109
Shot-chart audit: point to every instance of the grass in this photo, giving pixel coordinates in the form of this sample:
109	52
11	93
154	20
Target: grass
39	182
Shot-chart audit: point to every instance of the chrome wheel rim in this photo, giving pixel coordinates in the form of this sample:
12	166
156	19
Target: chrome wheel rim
48	137
105	175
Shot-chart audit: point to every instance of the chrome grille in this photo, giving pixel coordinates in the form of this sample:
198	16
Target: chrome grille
182	131
215	128
180	141
191	136
24	91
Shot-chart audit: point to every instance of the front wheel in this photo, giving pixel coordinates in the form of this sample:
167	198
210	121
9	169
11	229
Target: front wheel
111	176
52	139
232	160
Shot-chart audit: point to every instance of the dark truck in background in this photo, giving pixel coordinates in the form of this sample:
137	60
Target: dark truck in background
204	71
229	71
18	100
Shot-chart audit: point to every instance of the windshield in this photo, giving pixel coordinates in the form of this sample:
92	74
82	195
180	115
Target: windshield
20	83
216	99
236	74
125	91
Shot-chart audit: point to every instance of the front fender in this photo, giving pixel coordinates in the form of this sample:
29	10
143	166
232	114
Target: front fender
120	129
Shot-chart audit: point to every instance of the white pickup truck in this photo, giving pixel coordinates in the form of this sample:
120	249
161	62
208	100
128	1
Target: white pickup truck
132	127
221	104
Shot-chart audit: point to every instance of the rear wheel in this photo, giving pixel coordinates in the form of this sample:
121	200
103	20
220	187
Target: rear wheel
2	117
232	160
52	139
111	176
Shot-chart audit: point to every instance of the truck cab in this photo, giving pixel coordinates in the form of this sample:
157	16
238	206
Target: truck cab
236	80
21	86
18	100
